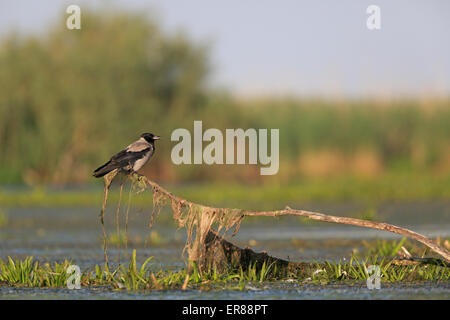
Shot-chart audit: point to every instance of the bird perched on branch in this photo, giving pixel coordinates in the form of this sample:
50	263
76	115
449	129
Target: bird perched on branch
132	158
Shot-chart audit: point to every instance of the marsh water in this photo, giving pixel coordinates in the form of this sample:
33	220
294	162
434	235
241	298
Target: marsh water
56	234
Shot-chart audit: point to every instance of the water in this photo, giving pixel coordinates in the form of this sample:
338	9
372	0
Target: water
56	234
277	291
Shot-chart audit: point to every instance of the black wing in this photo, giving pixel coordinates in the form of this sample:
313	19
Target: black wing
120	160
124	157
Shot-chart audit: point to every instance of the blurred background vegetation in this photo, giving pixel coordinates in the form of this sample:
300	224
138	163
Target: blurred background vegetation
70	99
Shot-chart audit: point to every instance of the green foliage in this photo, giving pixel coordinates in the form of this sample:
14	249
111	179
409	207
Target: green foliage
385	248
133	277
356	270
259	197
54	275
18	272
68	100
32	274
255	274
117	77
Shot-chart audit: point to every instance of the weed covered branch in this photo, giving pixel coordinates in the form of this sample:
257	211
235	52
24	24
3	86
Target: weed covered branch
203	241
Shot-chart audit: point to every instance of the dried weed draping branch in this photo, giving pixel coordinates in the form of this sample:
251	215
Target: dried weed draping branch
196	218
199	219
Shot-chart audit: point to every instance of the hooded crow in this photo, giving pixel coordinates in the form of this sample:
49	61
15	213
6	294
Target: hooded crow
132	158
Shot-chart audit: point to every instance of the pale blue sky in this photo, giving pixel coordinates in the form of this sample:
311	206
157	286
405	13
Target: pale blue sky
295	47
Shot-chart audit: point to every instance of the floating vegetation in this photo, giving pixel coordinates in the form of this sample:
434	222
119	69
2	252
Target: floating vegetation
33	274
131	276
384	248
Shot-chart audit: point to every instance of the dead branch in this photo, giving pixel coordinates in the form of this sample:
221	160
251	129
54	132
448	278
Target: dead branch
223	255
178	203
360	223
206	246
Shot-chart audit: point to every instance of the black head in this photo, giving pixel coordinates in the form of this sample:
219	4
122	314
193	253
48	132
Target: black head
150	137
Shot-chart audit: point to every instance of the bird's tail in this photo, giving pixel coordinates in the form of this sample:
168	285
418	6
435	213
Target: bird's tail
104	169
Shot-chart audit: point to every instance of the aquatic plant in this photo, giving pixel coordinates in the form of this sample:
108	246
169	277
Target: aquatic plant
131	276
385	247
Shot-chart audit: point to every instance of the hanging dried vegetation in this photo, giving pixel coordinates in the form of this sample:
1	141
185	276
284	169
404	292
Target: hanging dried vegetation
207	226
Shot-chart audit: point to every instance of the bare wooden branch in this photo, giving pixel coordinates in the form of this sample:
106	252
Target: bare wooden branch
311	215
360	223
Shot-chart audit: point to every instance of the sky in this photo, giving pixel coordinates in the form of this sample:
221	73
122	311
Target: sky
293	47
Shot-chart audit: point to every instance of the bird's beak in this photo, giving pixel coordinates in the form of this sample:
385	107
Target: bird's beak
156	137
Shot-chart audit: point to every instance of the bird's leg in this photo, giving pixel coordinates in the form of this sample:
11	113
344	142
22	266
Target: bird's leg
138	174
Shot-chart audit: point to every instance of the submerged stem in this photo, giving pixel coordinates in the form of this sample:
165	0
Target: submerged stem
118	222
108	178
126	216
